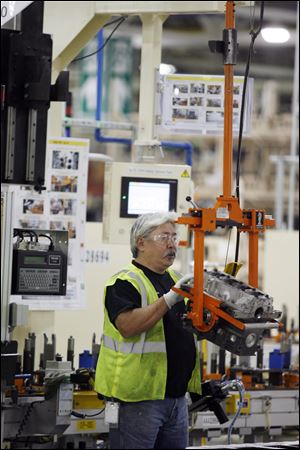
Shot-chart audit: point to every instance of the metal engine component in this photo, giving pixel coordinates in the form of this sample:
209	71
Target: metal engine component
236	341
243	302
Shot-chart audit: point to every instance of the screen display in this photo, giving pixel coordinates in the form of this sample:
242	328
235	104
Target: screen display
35	259
146	195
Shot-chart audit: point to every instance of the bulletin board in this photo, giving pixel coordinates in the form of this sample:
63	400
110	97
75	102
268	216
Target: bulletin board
194	104
61	206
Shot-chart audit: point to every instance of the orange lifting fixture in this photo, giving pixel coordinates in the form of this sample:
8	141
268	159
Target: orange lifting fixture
226	212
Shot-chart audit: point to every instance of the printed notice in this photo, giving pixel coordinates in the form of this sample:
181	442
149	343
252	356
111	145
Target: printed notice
62	206
194	104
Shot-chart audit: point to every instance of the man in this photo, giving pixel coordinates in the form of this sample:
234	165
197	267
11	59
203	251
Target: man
147	361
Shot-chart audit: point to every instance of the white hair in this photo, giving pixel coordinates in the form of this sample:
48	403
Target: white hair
146	223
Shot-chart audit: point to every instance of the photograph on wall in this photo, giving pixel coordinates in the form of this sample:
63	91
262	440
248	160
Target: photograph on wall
196	101
216	117
192	114
236	89
180	89
63	206
197	88
180	101
72	230
235	103
235	119
57	225
33	223
65	160
179	114
33	206
64	183
214	102
214	89
64	226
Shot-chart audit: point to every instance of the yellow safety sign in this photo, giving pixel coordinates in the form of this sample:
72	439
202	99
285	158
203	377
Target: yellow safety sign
185	174
86	425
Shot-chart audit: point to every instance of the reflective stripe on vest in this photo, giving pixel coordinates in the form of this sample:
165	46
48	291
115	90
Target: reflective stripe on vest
178	274
135	347
139	282
141	286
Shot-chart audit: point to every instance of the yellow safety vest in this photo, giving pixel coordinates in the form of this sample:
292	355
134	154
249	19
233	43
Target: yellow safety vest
135	369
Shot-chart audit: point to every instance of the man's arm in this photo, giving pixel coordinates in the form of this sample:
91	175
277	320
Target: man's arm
137	320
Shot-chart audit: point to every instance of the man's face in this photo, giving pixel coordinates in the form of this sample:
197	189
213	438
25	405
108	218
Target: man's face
158	250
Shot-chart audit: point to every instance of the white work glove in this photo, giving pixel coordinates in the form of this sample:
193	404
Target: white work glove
171	297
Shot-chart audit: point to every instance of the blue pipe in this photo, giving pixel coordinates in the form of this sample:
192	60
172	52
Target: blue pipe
186	146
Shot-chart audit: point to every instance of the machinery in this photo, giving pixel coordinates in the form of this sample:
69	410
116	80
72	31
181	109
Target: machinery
51	401
40	268
265	415
230	314
59	401
46	413
26	93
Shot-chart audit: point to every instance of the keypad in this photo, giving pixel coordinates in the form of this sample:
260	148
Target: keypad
39	280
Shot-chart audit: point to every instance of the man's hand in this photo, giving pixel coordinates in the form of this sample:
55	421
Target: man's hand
171	297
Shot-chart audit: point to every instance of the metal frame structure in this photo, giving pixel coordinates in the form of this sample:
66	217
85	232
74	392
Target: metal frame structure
7	199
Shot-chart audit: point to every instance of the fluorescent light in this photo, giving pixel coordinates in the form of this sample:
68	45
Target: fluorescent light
166	69
275	35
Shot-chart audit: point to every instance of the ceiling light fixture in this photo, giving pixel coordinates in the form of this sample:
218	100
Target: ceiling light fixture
275	35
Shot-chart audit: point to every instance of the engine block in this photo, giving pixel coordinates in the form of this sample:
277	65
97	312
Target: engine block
242	302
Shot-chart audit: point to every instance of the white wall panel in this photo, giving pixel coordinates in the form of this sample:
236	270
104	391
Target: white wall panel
281	270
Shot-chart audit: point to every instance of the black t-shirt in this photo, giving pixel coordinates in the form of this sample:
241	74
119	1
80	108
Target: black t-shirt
181	352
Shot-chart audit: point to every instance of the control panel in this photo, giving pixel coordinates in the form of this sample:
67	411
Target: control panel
38	269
